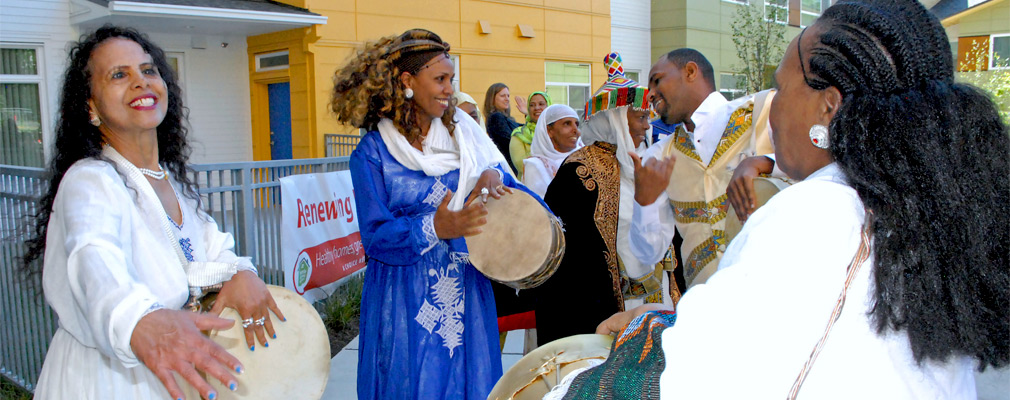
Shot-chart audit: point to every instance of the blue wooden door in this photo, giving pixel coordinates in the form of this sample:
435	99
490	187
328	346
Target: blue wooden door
279	96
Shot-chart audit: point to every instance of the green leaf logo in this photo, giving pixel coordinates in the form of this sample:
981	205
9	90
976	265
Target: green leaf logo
303	272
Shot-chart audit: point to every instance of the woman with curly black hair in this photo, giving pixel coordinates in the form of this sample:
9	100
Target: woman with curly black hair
428	324
885	273
125	243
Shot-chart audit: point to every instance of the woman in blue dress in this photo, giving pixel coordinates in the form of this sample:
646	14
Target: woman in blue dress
428	326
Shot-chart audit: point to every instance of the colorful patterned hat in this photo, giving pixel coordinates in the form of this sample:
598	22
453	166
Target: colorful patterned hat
617	91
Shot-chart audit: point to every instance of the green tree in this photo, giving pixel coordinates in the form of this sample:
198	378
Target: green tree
759	36
975	70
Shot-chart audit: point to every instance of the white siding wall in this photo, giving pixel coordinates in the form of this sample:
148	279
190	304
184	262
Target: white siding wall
630	34
44	23
216	84
216	91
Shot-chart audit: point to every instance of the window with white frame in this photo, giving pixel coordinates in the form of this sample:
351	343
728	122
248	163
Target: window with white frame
568	83
177	60
810	10
633	75
455	77
777	8
999	51
272	61
21	106
732	85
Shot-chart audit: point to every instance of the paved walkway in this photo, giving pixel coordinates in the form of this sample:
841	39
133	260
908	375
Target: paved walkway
991	385
344	367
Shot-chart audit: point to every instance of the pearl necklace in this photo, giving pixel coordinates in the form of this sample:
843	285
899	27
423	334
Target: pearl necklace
154	174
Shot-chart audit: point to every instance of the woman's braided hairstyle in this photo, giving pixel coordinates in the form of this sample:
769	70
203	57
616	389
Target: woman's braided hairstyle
929	157
368	88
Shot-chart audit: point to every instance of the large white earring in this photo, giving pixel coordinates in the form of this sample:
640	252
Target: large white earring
819	136
408	93
94	118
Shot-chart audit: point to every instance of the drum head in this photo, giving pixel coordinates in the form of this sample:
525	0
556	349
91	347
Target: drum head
764	188
516	239
295	366
539	371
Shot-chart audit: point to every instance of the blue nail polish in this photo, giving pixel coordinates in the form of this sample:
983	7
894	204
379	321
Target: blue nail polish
233	386
252	348
284	319
238	369
212	396
266	344
275	336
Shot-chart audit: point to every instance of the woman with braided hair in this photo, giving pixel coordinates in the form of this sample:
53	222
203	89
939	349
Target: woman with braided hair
884	273
428	325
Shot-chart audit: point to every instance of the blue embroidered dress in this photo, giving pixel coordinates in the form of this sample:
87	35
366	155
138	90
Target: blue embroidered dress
428	325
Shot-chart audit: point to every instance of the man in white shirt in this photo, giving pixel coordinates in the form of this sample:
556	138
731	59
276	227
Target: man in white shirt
683	182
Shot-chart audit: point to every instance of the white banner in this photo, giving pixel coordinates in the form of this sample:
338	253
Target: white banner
320	241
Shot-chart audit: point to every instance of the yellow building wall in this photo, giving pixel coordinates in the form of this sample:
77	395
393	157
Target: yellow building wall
575	31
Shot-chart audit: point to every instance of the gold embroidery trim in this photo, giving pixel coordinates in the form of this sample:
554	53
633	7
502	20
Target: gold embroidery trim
704	253
739	122
599	171
699	211
682	142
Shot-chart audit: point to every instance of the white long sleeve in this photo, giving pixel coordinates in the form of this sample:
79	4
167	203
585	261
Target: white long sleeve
653	225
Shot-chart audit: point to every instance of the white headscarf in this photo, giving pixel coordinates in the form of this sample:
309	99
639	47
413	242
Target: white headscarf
465	98
542	150
611	126
467	149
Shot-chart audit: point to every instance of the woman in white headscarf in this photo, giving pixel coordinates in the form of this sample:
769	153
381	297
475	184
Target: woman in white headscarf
593	193
626	128
557	135
466	103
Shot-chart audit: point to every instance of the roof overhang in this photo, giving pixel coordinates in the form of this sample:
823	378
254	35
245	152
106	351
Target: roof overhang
950	12
179	18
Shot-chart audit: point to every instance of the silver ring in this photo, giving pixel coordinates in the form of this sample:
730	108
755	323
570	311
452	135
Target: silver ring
261	321
246	322
484	191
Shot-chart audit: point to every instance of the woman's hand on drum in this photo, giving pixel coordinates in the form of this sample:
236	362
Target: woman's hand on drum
246	293
490	180
617	322
741	187
652	178
169	341
466	222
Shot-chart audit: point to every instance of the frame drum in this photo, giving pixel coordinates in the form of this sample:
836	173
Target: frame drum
539	371
295	366
522	243
764	189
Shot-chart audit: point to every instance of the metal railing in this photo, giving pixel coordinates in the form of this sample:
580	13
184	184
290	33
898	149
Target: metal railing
244	198
27	324
339	145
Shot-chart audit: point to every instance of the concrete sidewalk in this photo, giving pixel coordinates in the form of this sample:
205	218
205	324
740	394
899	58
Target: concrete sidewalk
991	385
344	367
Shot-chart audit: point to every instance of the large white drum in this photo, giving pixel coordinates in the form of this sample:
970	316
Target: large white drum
522	243
542	369
295	366
764	189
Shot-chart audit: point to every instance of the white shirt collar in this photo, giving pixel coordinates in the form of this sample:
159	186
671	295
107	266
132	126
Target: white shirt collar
830	172
712	102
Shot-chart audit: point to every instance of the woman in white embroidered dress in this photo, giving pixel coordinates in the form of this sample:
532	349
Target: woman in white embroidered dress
125	243
556	136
